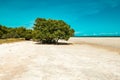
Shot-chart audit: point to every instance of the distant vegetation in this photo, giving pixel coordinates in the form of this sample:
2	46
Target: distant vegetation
20	32
44	30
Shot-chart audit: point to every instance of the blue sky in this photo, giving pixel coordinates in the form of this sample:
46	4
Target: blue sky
85	16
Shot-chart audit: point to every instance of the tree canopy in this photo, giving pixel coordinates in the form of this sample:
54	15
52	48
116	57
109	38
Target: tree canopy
50	31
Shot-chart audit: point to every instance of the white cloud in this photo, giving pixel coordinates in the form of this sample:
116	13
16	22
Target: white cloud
77	32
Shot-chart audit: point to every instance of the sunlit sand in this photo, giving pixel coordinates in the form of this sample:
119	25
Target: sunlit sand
82	59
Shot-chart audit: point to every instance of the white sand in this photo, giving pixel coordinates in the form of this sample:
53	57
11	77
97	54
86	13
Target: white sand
110	42
84	61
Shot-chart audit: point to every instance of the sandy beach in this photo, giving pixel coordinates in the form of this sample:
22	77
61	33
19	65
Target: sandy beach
82	59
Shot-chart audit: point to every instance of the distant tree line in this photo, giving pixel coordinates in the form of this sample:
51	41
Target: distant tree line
44	30
20	32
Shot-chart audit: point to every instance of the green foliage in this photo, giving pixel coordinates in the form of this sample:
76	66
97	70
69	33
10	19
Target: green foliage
28	34
50	31
19	32
3	30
